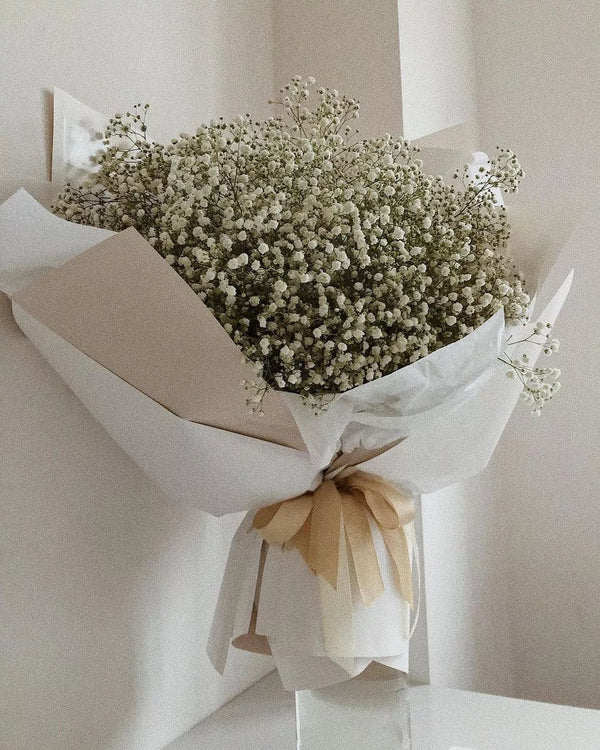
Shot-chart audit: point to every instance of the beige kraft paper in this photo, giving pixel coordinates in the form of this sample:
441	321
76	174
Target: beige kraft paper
125	307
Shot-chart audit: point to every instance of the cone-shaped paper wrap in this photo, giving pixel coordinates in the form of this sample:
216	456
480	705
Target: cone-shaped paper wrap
149	360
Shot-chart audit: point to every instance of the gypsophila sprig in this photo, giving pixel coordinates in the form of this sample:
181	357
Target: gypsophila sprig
330	260
540	384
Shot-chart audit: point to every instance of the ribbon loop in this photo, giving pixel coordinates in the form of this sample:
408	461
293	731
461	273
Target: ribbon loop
390	507
280	522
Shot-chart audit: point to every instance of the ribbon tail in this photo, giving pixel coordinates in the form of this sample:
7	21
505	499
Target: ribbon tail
280	522
324	543
416	561
301	541
362	549
397	546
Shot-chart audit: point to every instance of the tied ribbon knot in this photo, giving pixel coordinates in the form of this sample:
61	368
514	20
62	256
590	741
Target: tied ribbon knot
347	503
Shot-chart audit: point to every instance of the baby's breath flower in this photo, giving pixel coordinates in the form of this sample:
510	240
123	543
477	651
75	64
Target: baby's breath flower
330	260
540	384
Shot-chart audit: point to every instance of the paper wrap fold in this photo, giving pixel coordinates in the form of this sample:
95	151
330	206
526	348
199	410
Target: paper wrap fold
150	362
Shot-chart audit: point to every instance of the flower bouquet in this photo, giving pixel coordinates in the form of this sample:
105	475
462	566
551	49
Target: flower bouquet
280	318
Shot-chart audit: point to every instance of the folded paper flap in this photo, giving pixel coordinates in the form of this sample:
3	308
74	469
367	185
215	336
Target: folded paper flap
32	240
550	313
192	463
125	307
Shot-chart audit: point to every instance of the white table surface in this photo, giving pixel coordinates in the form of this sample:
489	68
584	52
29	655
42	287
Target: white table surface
263	718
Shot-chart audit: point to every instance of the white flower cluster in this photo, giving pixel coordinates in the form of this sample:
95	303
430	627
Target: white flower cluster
540	384
329	260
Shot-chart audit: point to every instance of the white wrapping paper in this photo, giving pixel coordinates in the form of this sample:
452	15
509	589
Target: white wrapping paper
451	407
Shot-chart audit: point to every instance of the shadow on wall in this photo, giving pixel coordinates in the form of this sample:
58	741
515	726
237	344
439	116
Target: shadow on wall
107	589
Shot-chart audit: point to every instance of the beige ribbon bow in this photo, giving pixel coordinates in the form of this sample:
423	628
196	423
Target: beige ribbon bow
311	523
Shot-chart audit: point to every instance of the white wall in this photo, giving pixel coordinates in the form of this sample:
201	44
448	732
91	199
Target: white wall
539	70
106	588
